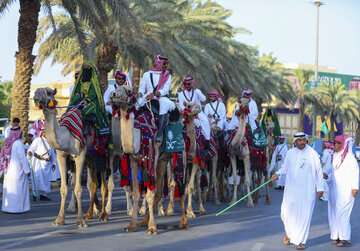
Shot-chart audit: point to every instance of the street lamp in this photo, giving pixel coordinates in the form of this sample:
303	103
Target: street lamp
317	3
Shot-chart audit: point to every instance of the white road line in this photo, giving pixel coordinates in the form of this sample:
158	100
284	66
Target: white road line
17	243
257	247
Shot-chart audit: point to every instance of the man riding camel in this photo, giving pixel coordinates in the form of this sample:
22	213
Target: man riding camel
215	110
155	85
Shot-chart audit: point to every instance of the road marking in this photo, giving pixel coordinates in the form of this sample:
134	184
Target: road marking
17	243
257	247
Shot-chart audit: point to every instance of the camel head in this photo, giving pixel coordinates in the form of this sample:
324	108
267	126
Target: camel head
214	127
122	96
270	126
44	97
243	110
192	108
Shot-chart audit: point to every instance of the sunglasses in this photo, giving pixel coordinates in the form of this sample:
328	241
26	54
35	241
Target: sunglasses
188	84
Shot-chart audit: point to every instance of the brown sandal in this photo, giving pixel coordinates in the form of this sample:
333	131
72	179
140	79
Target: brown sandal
335	242
286	240
300	246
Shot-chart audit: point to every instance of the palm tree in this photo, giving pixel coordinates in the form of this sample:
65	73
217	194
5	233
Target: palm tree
336	102
304	96
356	96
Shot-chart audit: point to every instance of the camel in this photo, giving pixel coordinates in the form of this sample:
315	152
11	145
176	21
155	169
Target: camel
244	154
130	141
60	138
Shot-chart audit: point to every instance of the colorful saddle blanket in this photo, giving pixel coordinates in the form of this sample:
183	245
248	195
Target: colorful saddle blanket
74	122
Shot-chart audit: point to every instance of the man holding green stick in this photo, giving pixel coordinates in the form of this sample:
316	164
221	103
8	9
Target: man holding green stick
304	181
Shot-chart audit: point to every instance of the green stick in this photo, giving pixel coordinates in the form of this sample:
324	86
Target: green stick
33	178
242	198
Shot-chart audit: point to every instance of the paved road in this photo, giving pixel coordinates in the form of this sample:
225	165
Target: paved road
240	228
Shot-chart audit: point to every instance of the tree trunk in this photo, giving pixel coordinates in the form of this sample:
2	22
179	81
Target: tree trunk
105	62
332	127
301	117
28	23
357	134
135	77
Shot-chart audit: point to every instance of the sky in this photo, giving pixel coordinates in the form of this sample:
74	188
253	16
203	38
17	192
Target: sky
285	27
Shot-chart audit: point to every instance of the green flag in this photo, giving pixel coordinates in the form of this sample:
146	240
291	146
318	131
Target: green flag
324	128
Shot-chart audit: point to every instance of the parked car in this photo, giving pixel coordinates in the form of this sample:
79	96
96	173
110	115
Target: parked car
357	153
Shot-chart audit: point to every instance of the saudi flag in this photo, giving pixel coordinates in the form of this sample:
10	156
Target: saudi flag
324	128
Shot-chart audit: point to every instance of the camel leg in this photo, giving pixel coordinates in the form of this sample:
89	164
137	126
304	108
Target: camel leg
93	188
89	185
197	182
209	190
190	190
103	215
247	180
78	189
258	183
234	172
110	187
72	205
142	210
170	207
136	195
129	206
183	222
268	201
150	195
60	220
160	204
214	178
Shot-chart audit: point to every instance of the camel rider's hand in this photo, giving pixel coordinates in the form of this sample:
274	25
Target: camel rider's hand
150	96
108	103
325	176
29	154
28	174
84	102
319	194
275	177
210	116
53	167
217	120
158	94
354	192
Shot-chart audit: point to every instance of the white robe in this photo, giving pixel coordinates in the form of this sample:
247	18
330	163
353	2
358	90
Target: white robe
326	166
253	114
16	183
42	169
107	93
7	131
341	201
196	96
304	177
146	88
282	151
218	111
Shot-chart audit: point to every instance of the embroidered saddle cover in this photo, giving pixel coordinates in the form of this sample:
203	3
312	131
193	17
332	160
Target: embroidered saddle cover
74	122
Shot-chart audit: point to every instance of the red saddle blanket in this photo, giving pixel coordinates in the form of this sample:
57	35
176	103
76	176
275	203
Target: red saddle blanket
73	121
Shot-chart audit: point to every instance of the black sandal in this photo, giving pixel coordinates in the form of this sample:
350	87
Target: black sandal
335	242
344	244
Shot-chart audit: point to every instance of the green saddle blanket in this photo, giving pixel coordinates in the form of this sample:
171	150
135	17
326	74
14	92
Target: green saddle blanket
173	139
258	138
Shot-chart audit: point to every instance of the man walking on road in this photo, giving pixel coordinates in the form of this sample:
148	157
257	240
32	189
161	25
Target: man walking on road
304	181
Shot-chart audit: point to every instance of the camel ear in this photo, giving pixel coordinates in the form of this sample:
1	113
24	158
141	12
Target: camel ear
55	91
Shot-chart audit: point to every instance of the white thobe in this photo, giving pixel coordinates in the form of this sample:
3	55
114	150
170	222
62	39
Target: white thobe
253	114
16	183
218	111
304	177
326	166
7	131
147	88
42	169
197	97
277	160
340	202
111	88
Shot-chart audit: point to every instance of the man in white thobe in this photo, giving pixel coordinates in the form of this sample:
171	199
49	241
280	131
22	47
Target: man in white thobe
215	110
343	180
16	168
304	181
155	85
191	94
15	123
120	79
326	163
252	116
277	160
43	162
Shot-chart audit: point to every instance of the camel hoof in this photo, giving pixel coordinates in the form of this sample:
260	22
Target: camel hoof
202	212
103	217
190	214
217	202
130	229
95	211
161	212
108	209
268	202
152	231
231	202
142	211
58	222
250	205
70	210
170	211
129	212
89	216
184	225
81	223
